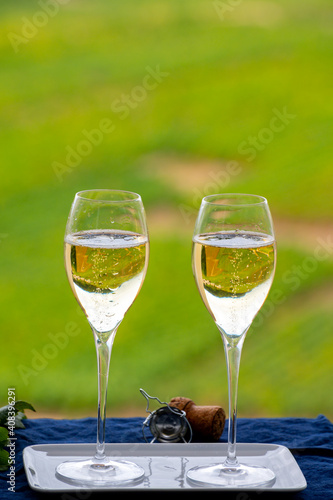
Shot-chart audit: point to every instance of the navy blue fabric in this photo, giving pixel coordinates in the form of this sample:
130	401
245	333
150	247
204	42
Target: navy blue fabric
310	439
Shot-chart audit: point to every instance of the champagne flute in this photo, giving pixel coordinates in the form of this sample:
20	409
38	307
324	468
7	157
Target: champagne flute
106	258
233	258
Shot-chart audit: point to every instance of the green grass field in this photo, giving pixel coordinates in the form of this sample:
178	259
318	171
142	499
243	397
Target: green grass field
174	100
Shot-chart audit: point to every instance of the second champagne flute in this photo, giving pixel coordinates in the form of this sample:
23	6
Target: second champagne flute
106	258
233	261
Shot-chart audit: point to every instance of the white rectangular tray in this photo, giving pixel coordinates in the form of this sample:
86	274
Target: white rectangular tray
165	465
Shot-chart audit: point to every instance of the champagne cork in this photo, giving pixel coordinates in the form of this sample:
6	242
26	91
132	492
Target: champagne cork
207	422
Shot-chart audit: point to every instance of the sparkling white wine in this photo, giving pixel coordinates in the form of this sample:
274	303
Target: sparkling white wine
233	272
106	270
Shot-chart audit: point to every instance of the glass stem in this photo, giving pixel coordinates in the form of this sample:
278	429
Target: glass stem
103	350
233	351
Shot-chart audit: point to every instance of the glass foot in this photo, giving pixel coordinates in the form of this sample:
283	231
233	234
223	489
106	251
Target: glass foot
240	476
99	473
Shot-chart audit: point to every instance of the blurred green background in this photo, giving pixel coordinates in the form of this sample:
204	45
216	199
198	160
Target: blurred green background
198	97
